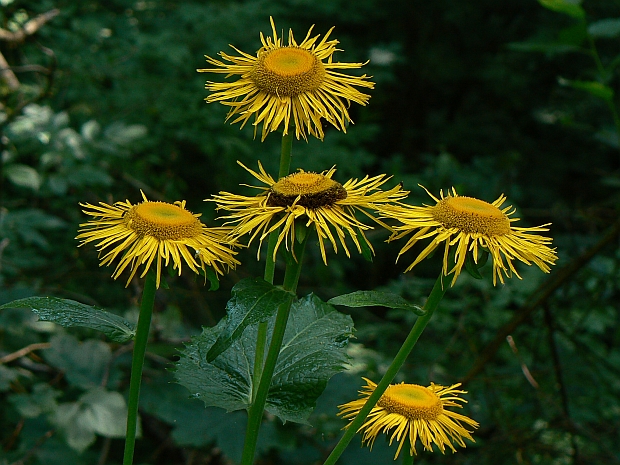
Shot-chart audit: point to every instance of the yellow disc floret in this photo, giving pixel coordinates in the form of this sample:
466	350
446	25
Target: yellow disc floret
288	71
409	413
471	215
311	190
411	401
163	221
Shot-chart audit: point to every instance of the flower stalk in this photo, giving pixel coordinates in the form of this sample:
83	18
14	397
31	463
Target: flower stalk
137	362
255	414
430	306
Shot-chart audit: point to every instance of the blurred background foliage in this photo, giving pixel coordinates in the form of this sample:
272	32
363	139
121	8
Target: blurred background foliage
490	97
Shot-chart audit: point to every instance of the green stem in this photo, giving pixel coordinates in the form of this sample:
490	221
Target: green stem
270	265
255	414
431	305
139	349
286	153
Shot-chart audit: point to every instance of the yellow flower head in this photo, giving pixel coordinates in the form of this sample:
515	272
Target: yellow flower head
467	223
155	230
314	198
294	84
414	412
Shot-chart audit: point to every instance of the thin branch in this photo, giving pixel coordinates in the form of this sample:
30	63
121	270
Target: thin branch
24	351
544	291
8	75
29	28
524	368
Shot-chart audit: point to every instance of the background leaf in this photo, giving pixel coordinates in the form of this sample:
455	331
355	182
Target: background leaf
605	28
85	364
70	313
569	7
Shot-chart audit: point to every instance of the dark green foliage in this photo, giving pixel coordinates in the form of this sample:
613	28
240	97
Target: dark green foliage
486	96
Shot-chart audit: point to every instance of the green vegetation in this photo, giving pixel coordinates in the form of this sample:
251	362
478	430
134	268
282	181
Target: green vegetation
102	100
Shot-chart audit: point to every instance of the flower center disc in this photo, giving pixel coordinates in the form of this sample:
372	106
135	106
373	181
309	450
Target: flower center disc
313	190
411	401
163	221
471	216
288	71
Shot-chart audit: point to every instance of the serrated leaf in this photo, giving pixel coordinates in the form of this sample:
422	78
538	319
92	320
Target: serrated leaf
23	175
593	87
569	7
227	381
313	350
70	313
605	28
374	298
253	300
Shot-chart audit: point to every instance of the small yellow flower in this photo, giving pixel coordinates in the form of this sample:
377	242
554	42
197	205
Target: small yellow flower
314	198
149	230
294	84
468	223
414	412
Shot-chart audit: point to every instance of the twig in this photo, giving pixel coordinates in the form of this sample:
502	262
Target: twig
8	75
524	368
544	291
24	351
29	28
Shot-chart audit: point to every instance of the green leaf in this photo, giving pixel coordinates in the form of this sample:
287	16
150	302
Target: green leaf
23	175
593	87
374	298
605	28
41	400
85	364
105	412
253	300
69	421
70	313
472	267
569	7
313	350
96	412
7	376
213	279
